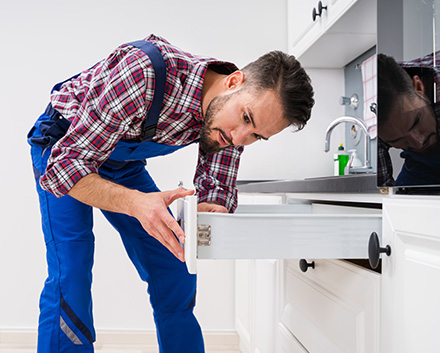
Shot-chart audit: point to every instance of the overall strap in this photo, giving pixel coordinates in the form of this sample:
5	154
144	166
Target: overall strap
150	123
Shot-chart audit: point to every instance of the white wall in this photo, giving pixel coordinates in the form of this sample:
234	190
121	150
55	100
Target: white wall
46	41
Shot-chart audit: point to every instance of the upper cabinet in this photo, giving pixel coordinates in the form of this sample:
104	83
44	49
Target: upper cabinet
340	31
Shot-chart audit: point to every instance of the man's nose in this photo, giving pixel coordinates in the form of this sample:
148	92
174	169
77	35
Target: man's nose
417	140
240	135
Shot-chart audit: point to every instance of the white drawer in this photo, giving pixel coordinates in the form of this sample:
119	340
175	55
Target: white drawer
288	342
333	292
290	231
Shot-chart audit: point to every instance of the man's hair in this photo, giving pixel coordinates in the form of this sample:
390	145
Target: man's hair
393	82
283	74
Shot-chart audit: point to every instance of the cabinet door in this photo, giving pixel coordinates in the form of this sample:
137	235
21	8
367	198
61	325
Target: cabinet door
336	9
300	24
275	232
411	276
302	30
346	29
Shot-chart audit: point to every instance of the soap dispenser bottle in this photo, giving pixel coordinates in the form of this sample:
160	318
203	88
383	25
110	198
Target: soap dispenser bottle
353	162
340	161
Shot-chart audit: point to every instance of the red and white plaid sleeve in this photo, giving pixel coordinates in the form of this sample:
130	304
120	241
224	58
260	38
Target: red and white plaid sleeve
118	93
216	175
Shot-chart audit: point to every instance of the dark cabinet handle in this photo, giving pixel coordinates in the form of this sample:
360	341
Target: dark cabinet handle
319	12
304	265
320	8
314	14
374	250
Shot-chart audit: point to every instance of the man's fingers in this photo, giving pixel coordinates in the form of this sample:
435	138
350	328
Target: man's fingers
165	229
167	238
159	223
172	224
173	195
211	207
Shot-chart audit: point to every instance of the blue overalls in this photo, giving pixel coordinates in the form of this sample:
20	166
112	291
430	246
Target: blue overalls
66	321
419	170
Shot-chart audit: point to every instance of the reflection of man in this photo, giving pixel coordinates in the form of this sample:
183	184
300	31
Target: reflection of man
408	120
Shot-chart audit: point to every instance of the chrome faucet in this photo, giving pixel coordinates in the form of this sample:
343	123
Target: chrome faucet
348	119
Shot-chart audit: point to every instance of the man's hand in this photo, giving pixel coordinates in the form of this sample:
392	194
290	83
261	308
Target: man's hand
149	208
211	207
152	212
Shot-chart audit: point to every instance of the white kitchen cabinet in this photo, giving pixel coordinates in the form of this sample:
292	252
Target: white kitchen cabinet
411	275
257	284
257	290
266	305
345	29
244	303
334	307
302	30
341	307
288	342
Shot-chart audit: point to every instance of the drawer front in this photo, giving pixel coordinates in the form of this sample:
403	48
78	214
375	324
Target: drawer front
277	232
288	343
333	292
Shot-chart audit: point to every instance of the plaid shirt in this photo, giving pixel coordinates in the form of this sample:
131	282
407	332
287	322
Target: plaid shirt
384	165
109	102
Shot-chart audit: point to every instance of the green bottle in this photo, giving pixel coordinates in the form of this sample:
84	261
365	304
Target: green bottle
342	158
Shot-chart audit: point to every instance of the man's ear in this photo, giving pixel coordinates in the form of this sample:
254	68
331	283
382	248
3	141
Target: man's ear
418	85
234	80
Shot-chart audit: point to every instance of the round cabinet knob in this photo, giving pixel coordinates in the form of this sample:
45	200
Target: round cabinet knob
320	8
304	265
316	13
374	250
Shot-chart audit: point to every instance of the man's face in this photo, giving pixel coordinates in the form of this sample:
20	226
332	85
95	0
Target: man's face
411	125
241	118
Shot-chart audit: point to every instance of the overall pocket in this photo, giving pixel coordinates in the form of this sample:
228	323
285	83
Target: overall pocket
47	130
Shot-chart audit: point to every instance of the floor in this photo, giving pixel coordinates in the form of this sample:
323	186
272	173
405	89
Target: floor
116	342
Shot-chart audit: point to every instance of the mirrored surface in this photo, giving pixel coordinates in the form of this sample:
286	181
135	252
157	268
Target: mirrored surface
408	93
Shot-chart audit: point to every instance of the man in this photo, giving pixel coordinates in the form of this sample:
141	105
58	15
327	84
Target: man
408	114
89	150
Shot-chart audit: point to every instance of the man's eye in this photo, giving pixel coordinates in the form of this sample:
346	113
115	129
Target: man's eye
246	118
416	121
258	137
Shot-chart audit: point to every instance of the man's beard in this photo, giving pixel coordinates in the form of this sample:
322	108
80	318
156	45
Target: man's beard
207	144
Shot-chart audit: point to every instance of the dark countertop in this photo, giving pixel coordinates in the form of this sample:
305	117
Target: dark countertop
356	183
